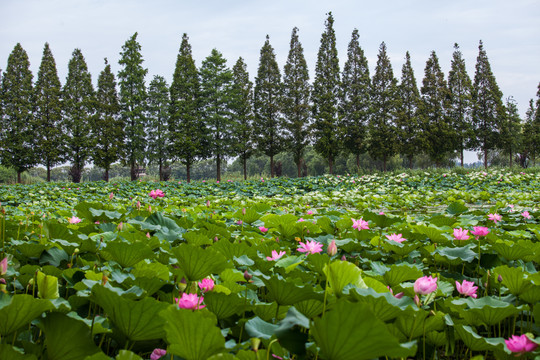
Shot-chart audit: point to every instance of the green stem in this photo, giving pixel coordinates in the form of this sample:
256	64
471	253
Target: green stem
326	289
270	348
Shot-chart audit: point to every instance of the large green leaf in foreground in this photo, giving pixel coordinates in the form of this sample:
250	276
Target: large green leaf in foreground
351	332
137	320
19	310
192	335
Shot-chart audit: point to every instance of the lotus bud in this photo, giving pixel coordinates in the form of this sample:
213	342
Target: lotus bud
247	276
207	203
149	208
111	195
332	248
138	205
76	251
255	342
343	258
3	266
148	235
182	285
499	278
417	300
120	226
216	239
104	280
243	211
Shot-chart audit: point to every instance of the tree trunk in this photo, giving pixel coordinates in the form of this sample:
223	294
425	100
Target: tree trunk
160	170
510	158
133	172
384	163
330	165
357	162
218	168
485	159
410	162
244	164
19	177
188	173
462	156
106	175
271	166
48	171
299	167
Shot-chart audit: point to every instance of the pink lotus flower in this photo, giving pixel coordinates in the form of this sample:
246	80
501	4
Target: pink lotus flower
425	285
111	195
206	285
239	222
74	220
158	354
467	288
511	206
310	247
396	237
301	219
520	344
381	213
263	229
461	234
494	217
190	301
3	266
156	193
526	214
360	224
332	248
309	212
480	231
275	255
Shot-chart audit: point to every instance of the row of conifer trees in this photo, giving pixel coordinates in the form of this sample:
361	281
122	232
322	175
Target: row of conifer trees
217	112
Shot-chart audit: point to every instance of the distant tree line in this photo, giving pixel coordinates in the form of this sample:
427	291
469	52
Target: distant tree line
214	112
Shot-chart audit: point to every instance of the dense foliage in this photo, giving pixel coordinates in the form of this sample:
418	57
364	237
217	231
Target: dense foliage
427	265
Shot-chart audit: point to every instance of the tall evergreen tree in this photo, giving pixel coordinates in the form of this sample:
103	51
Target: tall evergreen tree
408	124
78	109
107	127
531	129
355	99
488	109
385	102
296	97
157	129
217	99
133	103
242	108
17	138
438	133
48	114
325	96
511	129
186	129
267	105
460	107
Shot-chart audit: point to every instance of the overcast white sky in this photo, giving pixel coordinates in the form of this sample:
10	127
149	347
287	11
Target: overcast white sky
510	31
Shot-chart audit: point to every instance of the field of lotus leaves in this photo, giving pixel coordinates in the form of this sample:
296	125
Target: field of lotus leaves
403	266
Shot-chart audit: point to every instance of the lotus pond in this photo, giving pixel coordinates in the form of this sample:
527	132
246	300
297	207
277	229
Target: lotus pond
408	266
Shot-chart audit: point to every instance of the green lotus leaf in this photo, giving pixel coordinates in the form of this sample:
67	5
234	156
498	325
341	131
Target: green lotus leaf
343	273
485	310
510	250
250	216
289	263
455	256
287	293
165	228
103	215
476	342
28	249
8	352
18	310
382	221
351	332
67	338
127	355
137	320
413	324
192	335
384	305
198	263
310	308
197	238
400	273
434	233
127	254
224	306
258	328
291	332
515	279
47	286
456	208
